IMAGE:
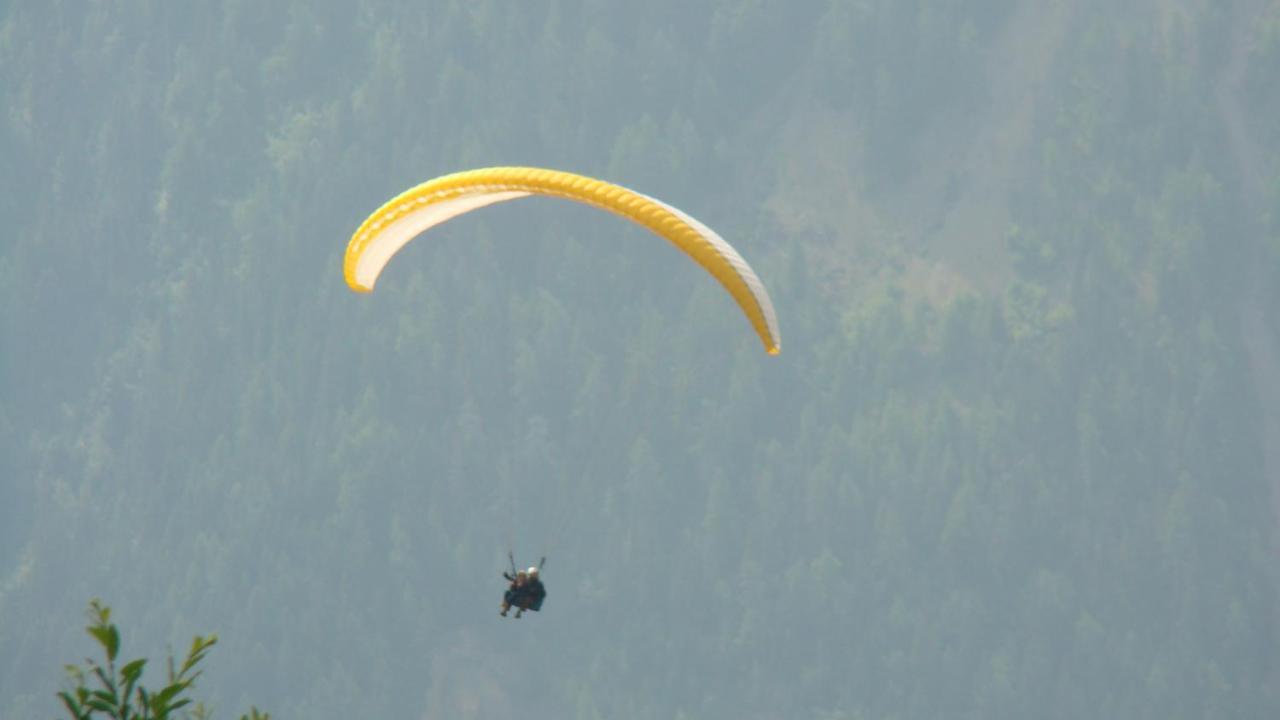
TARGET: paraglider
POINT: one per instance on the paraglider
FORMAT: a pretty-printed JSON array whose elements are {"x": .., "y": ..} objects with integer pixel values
[
  {"x": 526, "y": 591},
  {"x": 418, "y": 209}
]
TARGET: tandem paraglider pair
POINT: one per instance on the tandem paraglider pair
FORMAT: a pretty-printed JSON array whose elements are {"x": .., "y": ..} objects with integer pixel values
[
  {"x": 400, "y": 220},
  {"x": 526, "y": 591}
]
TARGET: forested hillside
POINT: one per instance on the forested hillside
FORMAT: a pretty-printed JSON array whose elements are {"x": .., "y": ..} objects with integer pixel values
[{"x": 1019, "y": 456}]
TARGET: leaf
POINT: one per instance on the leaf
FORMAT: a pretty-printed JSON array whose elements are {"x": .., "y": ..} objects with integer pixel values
[
  {"x": 130, "y": 673},
  {"x": 72, "y": 706},
  {"x": 101, "y": 614},
  {"x": 107, "y": 637},
  {"x": 200, "y": 647},
  {"x": 106, "y": 681},
  {"x": 113, "y": 636},
  {"x": 75, "y": 672},
  {"x": 160, "y": 702},
  {"x": 133, "y": 670},
  {"x": 106, "y": 697},
  {"x": 100, "y": 706}
]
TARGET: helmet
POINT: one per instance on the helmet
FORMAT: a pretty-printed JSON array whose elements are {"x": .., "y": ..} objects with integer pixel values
[{"x": 533, "y": 571}]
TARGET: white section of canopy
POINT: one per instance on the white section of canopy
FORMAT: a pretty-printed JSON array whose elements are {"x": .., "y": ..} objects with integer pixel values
[{"x": 387, "y": 240}]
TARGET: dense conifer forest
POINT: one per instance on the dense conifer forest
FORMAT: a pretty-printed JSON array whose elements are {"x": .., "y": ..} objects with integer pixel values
[{"x": 1019, "y": 456}]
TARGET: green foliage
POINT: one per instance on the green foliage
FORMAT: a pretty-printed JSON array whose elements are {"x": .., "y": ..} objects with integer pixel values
[{"x": 119, "y": 694}]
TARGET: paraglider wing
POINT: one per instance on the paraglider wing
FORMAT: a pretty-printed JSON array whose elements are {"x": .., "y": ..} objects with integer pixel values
[{"x": 414, "y": 211}]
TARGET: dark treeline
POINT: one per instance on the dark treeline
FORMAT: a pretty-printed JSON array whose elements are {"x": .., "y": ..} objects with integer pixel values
[{"x": 1016, "y": 459}]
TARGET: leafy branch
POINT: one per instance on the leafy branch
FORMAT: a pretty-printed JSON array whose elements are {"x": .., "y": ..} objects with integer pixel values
[{"x": 120, "y": 694}]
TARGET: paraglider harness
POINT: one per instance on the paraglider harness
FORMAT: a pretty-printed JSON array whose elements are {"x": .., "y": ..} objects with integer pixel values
[{"x": 527, "y": 595}]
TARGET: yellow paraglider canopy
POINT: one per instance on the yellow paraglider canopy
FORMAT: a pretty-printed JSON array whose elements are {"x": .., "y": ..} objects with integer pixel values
[{"x": 412, "y": 212}]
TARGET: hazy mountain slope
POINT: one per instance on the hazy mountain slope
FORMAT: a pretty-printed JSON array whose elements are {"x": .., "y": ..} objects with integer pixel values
[{"x": 1012, "y": 462}]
